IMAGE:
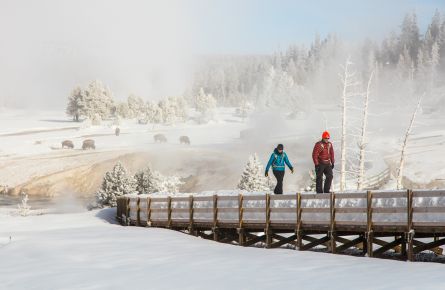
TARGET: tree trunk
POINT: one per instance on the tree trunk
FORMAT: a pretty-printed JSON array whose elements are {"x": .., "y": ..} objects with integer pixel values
[
  {"x": 343, "y": 123},
  {"x": 362, "y": 145},
  {"x": 405, "y": 143}
]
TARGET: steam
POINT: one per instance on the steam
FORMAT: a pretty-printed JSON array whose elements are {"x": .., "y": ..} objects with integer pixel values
[{"x": 51, "y": 46}]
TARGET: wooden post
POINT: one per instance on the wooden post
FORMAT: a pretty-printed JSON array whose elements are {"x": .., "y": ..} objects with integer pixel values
[
  {"x": 369, "y": 231},
  {"x": 215, "y": 217},
  {"x": 409, "y": 236},
  {"x": 241, "y": 233},
  {"x": 268, "y": 231},
  {"x": 169, "y": 211},
  {"x": 148, "y": 211},
  {"x": 240, "y": 210},
  {"x": 138, "y": 216},
  {"x": 333, "y": 244},
  {"x": 299, "y": 231},
  {"x": 127, "y": 210},
  {"x": 191, "y": 227}
]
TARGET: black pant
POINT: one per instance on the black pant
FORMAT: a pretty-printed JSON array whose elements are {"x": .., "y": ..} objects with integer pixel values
[
  {"x": 325, "y": 169},
  {"x": 279, "y": 175}
]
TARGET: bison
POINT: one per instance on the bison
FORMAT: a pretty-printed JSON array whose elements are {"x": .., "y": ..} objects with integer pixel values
[
  {"x": 88, "y": 144},
  {"x": 67, "y": 144},
  {"x": 160, "y": 138},
  {"x": 184, "y": 140}
]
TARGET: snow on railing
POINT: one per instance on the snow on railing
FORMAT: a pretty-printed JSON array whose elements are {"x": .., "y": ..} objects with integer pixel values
[{"x": 377, "y": 208}]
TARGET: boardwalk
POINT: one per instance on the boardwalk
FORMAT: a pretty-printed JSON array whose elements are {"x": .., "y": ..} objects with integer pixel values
[{"x": 373, "y": 222}]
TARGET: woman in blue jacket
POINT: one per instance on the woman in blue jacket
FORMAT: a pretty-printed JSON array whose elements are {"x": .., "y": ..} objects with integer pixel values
[{"x": 277, "y": 160}]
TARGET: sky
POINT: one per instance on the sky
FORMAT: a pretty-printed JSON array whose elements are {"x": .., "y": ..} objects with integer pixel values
[{"x": 148, "y": 47}]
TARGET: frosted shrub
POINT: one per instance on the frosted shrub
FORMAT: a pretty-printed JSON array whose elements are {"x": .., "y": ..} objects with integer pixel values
[
  {"x": 252, "y": 178},
  {"x": 151, "y": 181},
  {"x": 116, "y": 182},
  {"x": 23, "y": 208}
]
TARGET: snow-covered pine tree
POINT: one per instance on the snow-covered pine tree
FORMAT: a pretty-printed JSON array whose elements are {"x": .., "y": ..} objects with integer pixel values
[
  {"x": 146, "y": 181},
  {"x": 252, "y": 178},
  {"x": 76, "y": 104},
  {"x": 123, "y": 111},
  {"x": 205, "y": 104},
  {"x": 115, "y": 183},
  {"x": 179, "y": 105},
  {"x": 168, "y": 111},
  {"x": 150, "y": 181},
  {"x": 136, "y": 106},
  {"x": 99, "y": 100}
]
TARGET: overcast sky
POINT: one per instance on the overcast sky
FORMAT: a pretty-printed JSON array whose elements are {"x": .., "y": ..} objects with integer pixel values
[{"x": 147, "y": 47}]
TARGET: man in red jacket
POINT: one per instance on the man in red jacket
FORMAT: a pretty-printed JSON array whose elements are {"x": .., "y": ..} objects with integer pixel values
[{"x": 323, "y": 157}]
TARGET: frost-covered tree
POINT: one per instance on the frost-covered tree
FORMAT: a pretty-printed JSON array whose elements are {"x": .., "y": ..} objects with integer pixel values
[
  {"x": 76, "y": 104},
  {"x": 116, "y": 182},
  {"x": 252, "y": 178},
  {"x": 206, "y": 105},
  {"x": 404, "y": 145},
  {"x": 95, "y": 99},
  {"x": 349, "y": 84},
  {"x": 136, "y": 106},
  {"x": 99, "y": 100},
  {"x": 24, "y": 208},
  {"x": 363, "y": 135},
  {"x": 179, "y": 105},
  {"x": 168, "y": 111},
  {"x": 435, "y": 60},
  {"x": 153, "y": 113},
  {"x": 151, "y": 181},
  {"x": 123, "y": 111}
]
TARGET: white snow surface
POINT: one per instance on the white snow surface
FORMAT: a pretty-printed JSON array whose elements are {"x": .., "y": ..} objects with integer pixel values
[{"x": 86, "y": 251}]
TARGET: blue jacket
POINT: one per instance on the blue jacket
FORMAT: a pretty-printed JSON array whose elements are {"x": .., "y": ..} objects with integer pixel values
[{"x": 277, "y": 161}]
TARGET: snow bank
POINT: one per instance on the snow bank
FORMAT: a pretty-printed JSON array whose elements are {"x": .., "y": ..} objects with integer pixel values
[{"x": 85, "y": 251}]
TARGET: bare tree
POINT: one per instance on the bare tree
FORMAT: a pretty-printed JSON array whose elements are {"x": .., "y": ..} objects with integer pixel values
[
  {"x": 362, "y": 144},
  {"x": 348, "y": 79},
  {"x": 405, "y": 143}
]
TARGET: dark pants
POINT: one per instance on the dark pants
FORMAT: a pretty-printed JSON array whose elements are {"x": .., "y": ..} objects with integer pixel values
[
  {"x": 279, "y": 175},
  {"x": 325, "y": 169}
]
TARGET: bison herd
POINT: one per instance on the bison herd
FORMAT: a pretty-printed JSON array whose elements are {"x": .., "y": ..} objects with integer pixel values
[
  {"x": 90, "y": 144},
  {"x": 160, "y": 138},
  {"x": 86, "y": 144}
]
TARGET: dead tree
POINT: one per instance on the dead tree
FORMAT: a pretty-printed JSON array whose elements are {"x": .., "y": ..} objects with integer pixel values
[
  {"x": 348, "y": 79},
  {"x": 362, "y": 144},
  {"x": 405, "y": 143}
]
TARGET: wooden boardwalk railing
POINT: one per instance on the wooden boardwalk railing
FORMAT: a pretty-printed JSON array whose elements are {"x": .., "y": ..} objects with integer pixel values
[{"x": 372, "y": 222}]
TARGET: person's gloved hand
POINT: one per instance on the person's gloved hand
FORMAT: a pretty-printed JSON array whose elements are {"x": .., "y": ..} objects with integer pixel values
[
  {"x": 266, "y": 174},
  {"x": 317, "y": 167},
  {"x": 332, "y": 166},
  {"x": 292, "y": 170}
]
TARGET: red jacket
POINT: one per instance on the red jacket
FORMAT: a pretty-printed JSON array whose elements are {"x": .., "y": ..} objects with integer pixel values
[{"x": 323, "y": 153}]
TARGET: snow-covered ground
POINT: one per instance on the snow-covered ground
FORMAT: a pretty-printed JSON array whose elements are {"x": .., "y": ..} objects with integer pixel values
[{"x": 86, "y": 251}]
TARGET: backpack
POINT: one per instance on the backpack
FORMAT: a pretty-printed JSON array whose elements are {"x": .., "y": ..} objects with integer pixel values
[
  {"x": 276, "y": 158},
  {"x": 322, "y": 146}
]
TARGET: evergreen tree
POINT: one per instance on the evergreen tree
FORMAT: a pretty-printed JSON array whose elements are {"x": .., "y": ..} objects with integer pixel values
[
  {"x": 136, "y": 106},
  {"x": 205, "y": 104},
  {"x": 76, "y": 104},
  {"x": 253, "y": 178},
  {"x": 116, "y": 182},
  {"x": 99, "y": 100},
  {"x": 150, "y": 181}
]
